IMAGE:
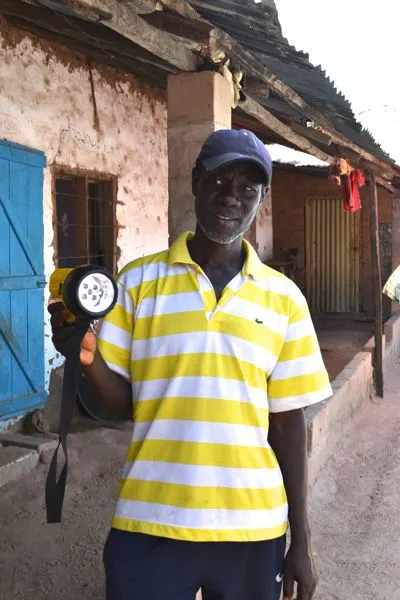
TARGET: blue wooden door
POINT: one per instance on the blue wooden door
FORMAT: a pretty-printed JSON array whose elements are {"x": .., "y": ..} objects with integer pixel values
[{"x": 21, "y": 280}]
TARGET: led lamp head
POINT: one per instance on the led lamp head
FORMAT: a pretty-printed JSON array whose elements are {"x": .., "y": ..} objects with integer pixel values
[{"x": 87, "y": 291}]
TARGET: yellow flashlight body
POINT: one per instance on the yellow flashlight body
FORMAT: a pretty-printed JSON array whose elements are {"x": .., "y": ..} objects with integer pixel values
[
  {"x": 56, "y": 283},
  {"x": 86, "y": 291}
]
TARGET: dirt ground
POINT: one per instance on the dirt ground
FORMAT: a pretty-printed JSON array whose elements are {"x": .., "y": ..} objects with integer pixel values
[
  {"x": 64, "y": 561},
  {"x": 355, "y": 515},
  {"x": 355, "y": 507}
]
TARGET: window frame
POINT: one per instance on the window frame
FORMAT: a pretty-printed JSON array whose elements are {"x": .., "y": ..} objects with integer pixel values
[{"x": 82, "y": 179}]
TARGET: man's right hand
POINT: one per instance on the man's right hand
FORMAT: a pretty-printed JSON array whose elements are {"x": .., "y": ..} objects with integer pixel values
[
  {"x": 62, "y": 333},
  {"x": 113, "y": 391}
]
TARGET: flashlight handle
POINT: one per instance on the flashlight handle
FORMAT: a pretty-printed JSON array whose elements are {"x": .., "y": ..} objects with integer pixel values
[{"x": 55, "y": 489}]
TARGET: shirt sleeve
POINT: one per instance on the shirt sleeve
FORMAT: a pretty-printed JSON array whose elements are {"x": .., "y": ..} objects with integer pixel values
[
  {"x": 299, "y": 378},
  {"x": 115, "y": 335}
]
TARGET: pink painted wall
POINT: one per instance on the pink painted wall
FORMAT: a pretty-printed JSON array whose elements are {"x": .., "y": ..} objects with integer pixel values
[{"x": 46, "y": 103}]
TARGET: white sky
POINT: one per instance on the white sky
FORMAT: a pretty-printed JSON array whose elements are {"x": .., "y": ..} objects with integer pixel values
[{"x": 357, "y": 43}]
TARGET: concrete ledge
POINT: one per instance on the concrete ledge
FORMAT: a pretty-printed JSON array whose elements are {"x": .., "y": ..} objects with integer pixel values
[
  {"x": 16, "y": 462},
  {"x": 30, "y": 442},
  {"x": 330, "y": 420},
  {"x": 370, "y": 346},
  {"x": 391, "y": 342},
  {"x": 392, "y": 335}
]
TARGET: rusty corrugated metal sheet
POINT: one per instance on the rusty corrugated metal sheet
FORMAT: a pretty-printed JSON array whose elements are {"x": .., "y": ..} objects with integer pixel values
[{"x": 332, "y": 248}]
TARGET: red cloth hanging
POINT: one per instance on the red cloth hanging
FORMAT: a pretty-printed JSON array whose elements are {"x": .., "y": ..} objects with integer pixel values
[{"x": 351, "y": 195}]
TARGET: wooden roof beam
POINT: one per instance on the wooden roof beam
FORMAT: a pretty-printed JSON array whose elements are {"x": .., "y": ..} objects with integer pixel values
[
  {"x": 257, "y": 111},
  {"x": 184, "y": 9},
  {"x": 263, "y": 116},
  {"x": 106, "y": 7},
  {"x": 221, "y": 40},
  {"x": 123, "y": 19}
]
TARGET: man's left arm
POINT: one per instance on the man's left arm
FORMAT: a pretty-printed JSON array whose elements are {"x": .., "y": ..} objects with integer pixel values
[
  {"x": 299, "y": 379},
  {"x": 288, "y": 439}
]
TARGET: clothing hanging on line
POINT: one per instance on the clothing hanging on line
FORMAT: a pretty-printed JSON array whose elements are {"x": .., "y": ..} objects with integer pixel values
[{"x": 350, "y": 180}]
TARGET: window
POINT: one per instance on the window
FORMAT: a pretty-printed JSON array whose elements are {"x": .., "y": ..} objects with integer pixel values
[{"x": 86, "y": 225}]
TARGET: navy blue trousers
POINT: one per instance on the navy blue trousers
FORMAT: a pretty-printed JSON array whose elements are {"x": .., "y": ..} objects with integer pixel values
[{"x": 143, "y": 567}]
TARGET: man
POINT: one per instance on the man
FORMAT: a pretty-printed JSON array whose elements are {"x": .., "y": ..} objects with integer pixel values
[{"x": 215, "y": 356}]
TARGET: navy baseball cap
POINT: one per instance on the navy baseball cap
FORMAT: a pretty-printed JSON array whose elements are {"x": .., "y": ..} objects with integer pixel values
[{"x": 228, "y": 146}]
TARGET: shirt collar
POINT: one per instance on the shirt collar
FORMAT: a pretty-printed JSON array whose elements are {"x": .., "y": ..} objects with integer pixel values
[
  {"x": 179, "y": 253},
  {"x": 253, "y": 266}
]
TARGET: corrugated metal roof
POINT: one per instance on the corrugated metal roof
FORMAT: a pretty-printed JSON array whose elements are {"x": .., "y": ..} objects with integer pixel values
[
  {"x": 259, "y": 31},
  {"x": 255, "y": 25}
]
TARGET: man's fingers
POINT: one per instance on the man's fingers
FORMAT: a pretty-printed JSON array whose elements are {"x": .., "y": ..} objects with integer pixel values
[
  {"x": 288, "y": 587},
  {"x": 55, "y": 306},
  {"x": 305, "y": 592},
  {"x": 302, "y": 593},
  {"x": 58, "y": 317}
]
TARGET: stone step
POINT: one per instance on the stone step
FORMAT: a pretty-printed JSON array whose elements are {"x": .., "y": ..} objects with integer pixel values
[
  {"x": 16, "y": 462},
  {"x": 30, "y": 442}
]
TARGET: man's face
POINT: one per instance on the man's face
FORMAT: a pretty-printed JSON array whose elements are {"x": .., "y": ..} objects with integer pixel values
[{"x": 228, "y": 200}]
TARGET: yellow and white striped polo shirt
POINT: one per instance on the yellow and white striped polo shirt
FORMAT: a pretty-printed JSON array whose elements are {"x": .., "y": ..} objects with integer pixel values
[{"x": 204, "y": 377}]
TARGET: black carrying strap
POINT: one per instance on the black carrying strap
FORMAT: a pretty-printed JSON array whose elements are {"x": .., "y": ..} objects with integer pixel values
[{"x": 72, "y": 372}]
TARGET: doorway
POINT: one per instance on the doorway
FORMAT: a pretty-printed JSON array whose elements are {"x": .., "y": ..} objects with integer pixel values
[{"x": 332, "y": 256}]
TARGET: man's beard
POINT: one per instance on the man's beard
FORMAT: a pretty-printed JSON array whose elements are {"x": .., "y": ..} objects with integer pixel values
[{"x": 221, "y": 237}]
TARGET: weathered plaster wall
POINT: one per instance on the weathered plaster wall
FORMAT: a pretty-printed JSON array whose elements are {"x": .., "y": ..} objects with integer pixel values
[{"x": 46, "y": 103}]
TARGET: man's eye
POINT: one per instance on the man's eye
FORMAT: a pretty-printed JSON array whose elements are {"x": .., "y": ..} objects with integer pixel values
[
  {"x": 248, "y": 188},
  {"x": 218, "y": 181}
]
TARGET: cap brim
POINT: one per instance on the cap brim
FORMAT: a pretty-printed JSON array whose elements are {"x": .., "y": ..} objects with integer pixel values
[{"x": 223, "y": 160}]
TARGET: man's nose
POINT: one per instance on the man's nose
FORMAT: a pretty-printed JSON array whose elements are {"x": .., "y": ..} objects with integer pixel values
[{"x": 229, "y": 195}]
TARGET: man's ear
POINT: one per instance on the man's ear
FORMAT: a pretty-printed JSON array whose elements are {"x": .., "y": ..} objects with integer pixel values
[{"x": 264, "y": 193}]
